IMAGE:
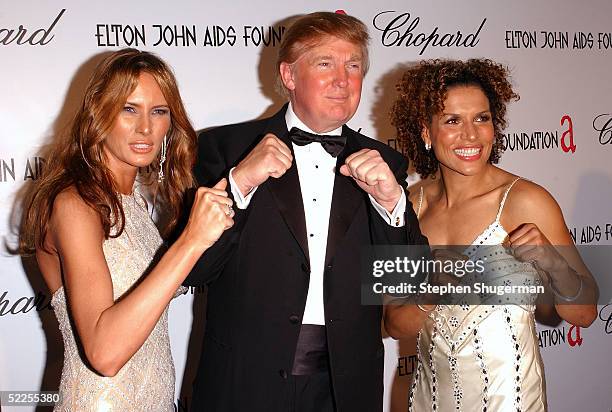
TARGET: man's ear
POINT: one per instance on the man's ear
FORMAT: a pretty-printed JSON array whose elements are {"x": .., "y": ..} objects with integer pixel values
[{"x": 287, "y": 73}]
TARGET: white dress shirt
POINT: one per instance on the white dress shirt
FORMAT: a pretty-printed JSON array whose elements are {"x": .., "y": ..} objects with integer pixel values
[{"x": 316, "y": 171}]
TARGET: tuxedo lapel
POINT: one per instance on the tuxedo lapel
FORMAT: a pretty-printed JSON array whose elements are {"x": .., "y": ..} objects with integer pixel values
[
  {"x": 286, "y": 190},
  {"x": 346, "y": 199}
]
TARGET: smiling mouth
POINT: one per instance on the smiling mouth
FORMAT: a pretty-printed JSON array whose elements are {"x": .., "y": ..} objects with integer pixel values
[{"x": 468, "y": 152}]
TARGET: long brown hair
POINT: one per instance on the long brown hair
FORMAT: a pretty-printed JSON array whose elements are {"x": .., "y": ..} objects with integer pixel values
[{"x": 77, "y": 159}]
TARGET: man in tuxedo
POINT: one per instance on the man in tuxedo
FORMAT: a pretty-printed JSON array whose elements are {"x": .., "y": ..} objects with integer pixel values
[{"x": 285, "y": 327}]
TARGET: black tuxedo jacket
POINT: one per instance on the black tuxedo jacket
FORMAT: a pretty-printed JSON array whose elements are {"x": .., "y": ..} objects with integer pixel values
[{"x": 258, "y": 276}]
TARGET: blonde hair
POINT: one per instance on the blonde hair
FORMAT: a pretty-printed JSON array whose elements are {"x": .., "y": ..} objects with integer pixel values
[{"x": 310, "y": 30}]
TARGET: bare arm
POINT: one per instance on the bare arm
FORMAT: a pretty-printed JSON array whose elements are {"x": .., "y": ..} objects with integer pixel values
[
  {"x": 541, "y": 236},
  {"x": 404, "y": 320},
  {"x": 111, "y": 332},
  {"x": 403, "y": 317}
]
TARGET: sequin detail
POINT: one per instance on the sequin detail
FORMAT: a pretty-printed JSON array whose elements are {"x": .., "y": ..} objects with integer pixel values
[
  {"x": 146, "y": 382},
  {"x": 484, "y": 374},
  {"x": 477, "y": 355},
  {"x": 417, "y": 374}
]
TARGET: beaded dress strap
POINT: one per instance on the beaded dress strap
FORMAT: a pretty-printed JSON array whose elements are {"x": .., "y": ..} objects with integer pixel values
[
  {"x": 503, "y": 202},
  {"x": 420, "y": 203}
]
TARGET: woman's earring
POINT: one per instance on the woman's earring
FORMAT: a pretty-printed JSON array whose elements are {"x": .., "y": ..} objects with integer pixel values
[
  {"x": 162, "y": 159},
  {"x": 428, "y": 146}
]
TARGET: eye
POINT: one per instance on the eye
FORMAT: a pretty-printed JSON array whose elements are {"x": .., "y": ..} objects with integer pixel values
[
  {"x": 161, "y": 111},
  {"x": 324, "y": 64},
  {"x": 483, "y": 118},
  {"x": 129, "y": 109},
  {"x": 452, "y": 120},
  {"x": 354, "y": 67}
]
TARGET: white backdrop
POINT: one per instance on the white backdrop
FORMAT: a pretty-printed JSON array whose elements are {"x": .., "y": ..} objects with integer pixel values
[{"x": 559, "y": 135}]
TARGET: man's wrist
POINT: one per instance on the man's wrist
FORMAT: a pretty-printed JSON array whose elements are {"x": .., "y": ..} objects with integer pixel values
[
  {"x": 390, "y": 205},
  {"x": 244, "y": 188}
]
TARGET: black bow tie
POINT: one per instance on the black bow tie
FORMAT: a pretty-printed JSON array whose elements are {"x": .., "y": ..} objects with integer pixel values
[{"x": 332, "y": 144}]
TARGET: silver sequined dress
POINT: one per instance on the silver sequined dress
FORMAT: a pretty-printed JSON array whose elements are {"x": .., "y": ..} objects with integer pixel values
[
  {"x": 146, "y": 382},
  {"x": 483, "y": 357}
]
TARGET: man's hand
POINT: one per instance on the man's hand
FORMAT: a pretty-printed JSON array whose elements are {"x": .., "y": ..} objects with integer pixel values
[
  {"x": 270, "y": 158},
  {"x": 373, "y": 175}
]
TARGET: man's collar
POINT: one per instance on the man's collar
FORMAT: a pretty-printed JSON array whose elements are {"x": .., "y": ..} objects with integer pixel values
[{"x": 293, "y": 121}]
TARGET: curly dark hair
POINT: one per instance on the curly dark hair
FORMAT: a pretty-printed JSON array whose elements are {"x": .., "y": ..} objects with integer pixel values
[{"x": 422, "y": 92}]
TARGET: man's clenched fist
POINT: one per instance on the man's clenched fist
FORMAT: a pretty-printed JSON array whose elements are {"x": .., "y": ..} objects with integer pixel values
[
  {"x": 373, "y": 175},
  {"x": 270, "y": 158}
]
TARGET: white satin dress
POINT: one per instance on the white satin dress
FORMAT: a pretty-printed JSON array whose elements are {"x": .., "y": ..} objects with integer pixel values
[{"x": 482, "y": 357}]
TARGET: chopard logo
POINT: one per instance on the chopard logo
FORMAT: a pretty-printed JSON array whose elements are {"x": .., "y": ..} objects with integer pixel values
[
  {"x": 24, "y": 304},
  {"x": 22, "y": 35},
  {"x": 603, "y": 125},
  {"x": 605, "y": 315},
  {"x": 402, "y": 29}
]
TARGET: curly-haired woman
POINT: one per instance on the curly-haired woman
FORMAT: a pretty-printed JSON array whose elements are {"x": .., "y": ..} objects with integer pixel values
[{"x": 449, "y": 115}]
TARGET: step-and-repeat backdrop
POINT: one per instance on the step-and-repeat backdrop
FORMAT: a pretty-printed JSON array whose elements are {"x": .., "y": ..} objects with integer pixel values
[{"x": 223, "y": 53}]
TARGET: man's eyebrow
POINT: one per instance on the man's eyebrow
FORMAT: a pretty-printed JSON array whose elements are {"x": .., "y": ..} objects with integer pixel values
[{"x": 354, "y": 57}]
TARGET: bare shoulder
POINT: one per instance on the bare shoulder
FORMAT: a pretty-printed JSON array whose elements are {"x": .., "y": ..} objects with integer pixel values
[
  {"x": 69, "y": 202},
  {"x": 530, "y": 197},
  {"x": 71, "y": 212},
  {"x": 529, "y": 202}
]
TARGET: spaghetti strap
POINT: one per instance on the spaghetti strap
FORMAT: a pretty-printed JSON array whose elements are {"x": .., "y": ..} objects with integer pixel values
[
  {"x": 503, "y": 201},
  {"x": 420, "y": 203}
]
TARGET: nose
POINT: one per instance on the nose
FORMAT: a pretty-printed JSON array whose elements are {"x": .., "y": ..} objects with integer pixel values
[
  {"x": 144, "y": 124},
  {"x": 341, "y": 77},
  {"x": 469, "y": 131}
]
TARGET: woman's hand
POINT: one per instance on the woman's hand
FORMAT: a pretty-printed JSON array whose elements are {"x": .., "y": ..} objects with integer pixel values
[
  {"x": 529, "y": 244},
  {"x": 211, "y": 214}
]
